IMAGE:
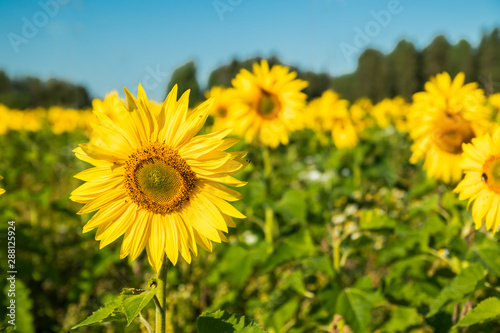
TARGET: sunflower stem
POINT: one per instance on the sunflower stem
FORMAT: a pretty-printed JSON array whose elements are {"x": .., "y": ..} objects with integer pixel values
[
  {"x": 161, "y": 306},
  {"x": 268, "y": 228},
  {"x": 269, "y": 214},
  {"x": 145, "y": 323},
  {"x": 268, "y": 168}
]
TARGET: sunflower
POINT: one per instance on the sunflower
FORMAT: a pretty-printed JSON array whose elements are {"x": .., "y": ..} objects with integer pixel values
[
  {"x": 330, "y": 113},
  {"x": 224, "y": 101},
  {"x": 494, "y": 100},
  {"x": 360, "y": 112},
  {"x": 270, "y": 104},
  {"x": 2, "y": 191},
  {"x": 481, "y": 184},
  {"x": 155, "y": 182},
  {"x": 391, "y": 112},
  {"x": 442, "y": 118}
]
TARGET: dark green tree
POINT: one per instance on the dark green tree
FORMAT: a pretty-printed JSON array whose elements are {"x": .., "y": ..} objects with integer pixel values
[
  {"x": 461, "y": 59},
  {"x": 403, "y": 70},
  {"x": 488, "y": 62},
  {"x": 185, "y": 78},
  {"x": 372, "y": 76},
  {"x": 435, "y": 57}
]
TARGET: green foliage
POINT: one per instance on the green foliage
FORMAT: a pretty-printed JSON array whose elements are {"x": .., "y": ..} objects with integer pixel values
[
  {"x": 29, "y": 92},
  {"x": 355, "y": 307},
  {"x": 185, "y": 78},
  {"x": 487, "y": 310},
  {"x": 465, "y": 283},
  {"x": 126, "y": 306},
  {"x": 223, "y": 322}
]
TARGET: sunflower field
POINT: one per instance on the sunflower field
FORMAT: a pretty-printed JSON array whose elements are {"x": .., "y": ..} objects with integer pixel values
[{"x": 343, "y": 216}]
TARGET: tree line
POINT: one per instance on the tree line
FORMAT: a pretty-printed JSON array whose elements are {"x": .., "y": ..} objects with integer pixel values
[{"x": 402, "y": 72}]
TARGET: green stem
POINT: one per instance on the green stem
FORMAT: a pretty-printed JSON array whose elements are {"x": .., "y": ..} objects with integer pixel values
[
  {"x": 269, "y": 214},
  {"x": 268, "y": 168},
  {"x": 268, "y": 228},
  {"x": 161, "y": 294},
  {"x": 145, "y": 323}
]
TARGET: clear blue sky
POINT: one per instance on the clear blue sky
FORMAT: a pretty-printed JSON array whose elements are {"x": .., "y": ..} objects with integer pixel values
[{"x": 110, "y": 44}]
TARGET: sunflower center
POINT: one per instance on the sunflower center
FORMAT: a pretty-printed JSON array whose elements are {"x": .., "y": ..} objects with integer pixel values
[
  {"x": 452, "y": 130},
  {"x": 491, "y": 173},
  {"x": 268, "y": 105},
  {"x": 222, "y": 112},
  {"x": 158, "y": 179}
]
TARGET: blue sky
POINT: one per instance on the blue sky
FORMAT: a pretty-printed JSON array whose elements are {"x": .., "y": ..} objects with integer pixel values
[{"x": 110, "y": 44}]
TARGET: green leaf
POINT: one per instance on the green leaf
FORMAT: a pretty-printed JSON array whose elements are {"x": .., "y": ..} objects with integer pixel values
[
  {"x": 297, "y": 246},
  {"x": 278, "y": 318},
  {"x": 487, "y": 310},
  {"x": 402, "y": 318},
  {"x": 488, "y": 254},
  {"x": 462, "y": 285},
  {"x": 355, "y": 308},
  {"x": 293, "y": 205},
  {"x": 104, "y": 314},
  {"x": 133, "y": 304},
  {"x": 224, "y": 322},
  {"x": 372, "y": 220}
]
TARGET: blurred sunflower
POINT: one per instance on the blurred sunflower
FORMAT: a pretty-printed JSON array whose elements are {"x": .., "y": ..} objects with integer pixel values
[
  {"x": 442, "y": 118},
  {"x": 494, "y": 100},
  {"x": 360, "y": 112},
  {"x": 224, "y": 100},
  {"x": 391, "y": 112},
  {"x": 270, "y": 104},
  {"x": 2, "y": 191},
  {"x": 64, "y": 120},
  {"x": 157, "y": 183},
  {"x": 330, "y": 113},
  {"x": 481, "y": 184}
]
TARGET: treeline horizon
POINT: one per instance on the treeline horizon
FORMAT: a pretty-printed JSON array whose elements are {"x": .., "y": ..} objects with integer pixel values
[{"x": 402, "y": 72}]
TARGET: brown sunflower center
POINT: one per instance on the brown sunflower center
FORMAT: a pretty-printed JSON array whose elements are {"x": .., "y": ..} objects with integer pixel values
[
  {"x": 158, "y": 179},
  {"x": 268, "y": 106},
  {"x": 222, "y": 112},
  {"x": 452, "y": 130},
  {"x": 491, "y": 173}
]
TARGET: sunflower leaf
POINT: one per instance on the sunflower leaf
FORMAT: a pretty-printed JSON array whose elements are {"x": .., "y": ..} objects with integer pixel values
[
  {"x": 133, "y": 303},
  {"x": 463, "y": 284},
  {"x": 105, "y": 314},
  {"x": 355, "y": 307},
  {"x": 487, "y": 310},
  {"x": 224, "y": 322}
]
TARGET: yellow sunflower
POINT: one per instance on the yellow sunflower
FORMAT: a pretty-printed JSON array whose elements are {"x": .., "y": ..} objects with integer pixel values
[
  {"x": 270, "y": 104},
  {"x": 155, "y": 182},
  {"x": 330, "y": 113},
  {"x": 481, "y": 184},
  {"x": 2, "y": 191},
  {"x": 443, "y": 117},
  {"x": 391, "y": 112},
  {"x": 224, "y": 101},
  {"x": 360, "y": 112},
  {"x": 494, "y": 100}
]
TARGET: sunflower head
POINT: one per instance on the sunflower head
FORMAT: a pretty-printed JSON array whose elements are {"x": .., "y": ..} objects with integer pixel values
[
  {"x": 221, "y": 109},
  {"x": 444, "y": 117},
  {"x": 330, "y": 113},
  {"x": 481, "y": 184},
  {"x": 155, "y": 182},
  {"x": 269, "y": 104}
]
